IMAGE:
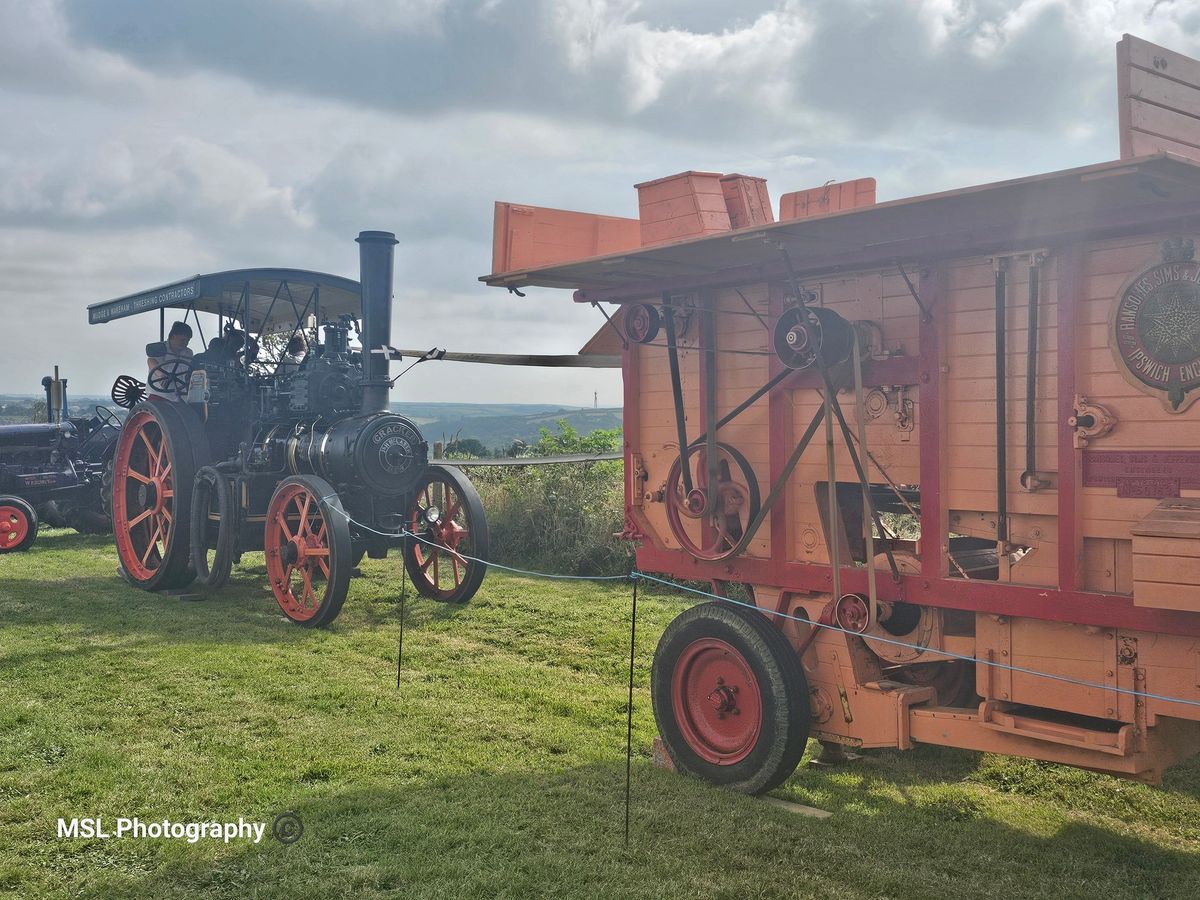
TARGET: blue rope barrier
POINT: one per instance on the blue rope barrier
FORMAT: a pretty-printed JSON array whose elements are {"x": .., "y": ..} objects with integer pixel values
[{"x": 635, "y": 574}]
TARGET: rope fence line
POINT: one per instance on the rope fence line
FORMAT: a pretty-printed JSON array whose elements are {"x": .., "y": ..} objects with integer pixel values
[{"x": 634, "y": 575}]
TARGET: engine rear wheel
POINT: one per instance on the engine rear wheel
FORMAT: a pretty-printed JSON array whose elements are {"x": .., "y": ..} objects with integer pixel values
[
  {"x": 730, "y": 698},
  {"x": 212, "y": 526},
  {"x": 153, "y": 468},
  {"x": 308, "y": 549},
  {"x": 444, "y": 559},
  {"x": 18, "y": 525}
]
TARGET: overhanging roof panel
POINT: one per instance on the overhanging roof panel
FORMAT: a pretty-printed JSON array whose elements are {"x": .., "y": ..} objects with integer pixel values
[{"x": 1022, "y": 213}]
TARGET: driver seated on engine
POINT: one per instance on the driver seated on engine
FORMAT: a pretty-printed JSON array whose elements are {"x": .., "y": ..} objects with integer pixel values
[{"x": 173, "y": 361}]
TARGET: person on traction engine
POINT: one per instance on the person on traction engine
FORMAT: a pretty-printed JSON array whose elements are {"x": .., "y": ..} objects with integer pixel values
[{"x": 173, "y": 356}]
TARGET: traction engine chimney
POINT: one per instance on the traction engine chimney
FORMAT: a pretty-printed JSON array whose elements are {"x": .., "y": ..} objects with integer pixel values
[{"x": 375, "y": 253}]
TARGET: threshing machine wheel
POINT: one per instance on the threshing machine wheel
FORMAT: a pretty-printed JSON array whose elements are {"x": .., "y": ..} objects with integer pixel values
[
  {"x": 212, "y": 526},
  {"x": 160, "y": 446},
  {"x": 307, "y": 543},
  {"x": 709, "y": 521},
  {"x": 730, "y": 698},
  {"x": 444, "y": 559},
  {"x": 18, "y": 525}
]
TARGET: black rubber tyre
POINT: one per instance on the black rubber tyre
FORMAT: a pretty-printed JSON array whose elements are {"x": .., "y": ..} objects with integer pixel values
[
  {"x": 18, "y": 525},
  {"x": 212, "y": 498},
  {"x": 716, "y": 657},
  {"x": 436, "y": 559},
  {"x": 176, "y": 427}
]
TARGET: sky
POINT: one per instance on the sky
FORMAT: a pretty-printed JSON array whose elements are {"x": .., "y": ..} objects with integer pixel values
[{"x": 148, "y": 140}]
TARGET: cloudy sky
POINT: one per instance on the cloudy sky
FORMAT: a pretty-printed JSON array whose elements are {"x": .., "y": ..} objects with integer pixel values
[{"x": 147, "y": 140}]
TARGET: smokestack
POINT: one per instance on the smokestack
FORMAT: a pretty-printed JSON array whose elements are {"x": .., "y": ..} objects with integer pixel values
[{"x": 375, "y": 255}]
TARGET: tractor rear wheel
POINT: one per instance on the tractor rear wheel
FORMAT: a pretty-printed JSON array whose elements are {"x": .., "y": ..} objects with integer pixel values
[
  {"x": 18, "y": 525},
  {"x": 309, "y": 554},
  {"x": 730, "y": 698},
  {"x": 155, "y": 462},
  {"x": 445, "y": 558}
]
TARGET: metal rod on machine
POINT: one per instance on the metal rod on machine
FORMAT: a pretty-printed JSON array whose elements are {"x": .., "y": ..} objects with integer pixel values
[
  {"x": 708, "y": 336},
  {"x": 1029, "y": 478},
  {"x": 1001, "y": 409},
  {"x": 865, "y": 480},
  {"x": 677, "y": 393},
  {"x": 831, "y": 475}
]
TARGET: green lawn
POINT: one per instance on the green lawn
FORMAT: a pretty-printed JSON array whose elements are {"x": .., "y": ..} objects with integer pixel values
[{"x": 495, "y": 769}]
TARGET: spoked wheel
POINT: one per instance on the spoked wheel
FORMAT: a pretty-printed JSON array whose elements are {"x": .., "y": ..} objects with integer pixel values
[
  {"x": 212, "y": 526},
  {"x": 709, "y": 521},
  {"x": 448, "y": 521},
  {"x": 153, "y": 467},
  {"x": 730, "y": 698},
  {"x": 307, "y": 544},
  {"x": 18, "y": 525}
]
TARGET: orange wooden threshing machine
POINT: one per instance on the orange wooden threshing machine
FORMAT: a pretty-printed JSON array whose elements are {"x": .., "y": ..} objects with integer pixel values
[{"x": 959, "y": 430}]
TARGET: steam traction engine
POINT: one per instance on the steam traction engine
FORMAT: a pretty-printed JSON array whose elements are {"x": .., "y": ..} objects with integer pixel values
[
  {"x": 247, "y": 448},
  {"x": 947, "y": 448}
]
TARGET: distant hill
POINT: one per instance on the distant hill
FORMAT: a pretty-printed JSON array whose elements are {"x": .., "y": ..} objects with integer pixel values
[{"x": 498, "y": 425}]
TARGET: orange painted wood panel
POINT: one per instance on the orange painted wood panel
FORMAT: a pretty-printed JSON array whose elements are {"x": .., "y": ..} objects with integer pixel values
[
  {"x": 827, "y": 199},
  {"x": 525, "y": 237}
]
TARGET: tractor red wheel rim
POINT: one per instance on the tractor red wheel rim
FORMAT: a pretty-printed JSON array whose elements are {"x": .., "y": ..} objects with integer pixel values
[
  {"x": 717, "y": 702},
  {"x": 298, "y": 551},
  {"x": 14, "y": 527},
  {"x": 441, "y": 543},
  {"x": 143, "y": 496}
]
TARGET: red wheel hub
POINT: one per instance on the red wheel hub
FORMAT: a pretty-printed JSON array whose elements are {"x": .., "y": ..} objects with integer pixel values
[
  {"x": 297, "y": 549},
  {"x": 717, "y": 701},
  {"x": 434, "y": 519},
  {"x": 143, "y": 499},
  {"x": 14, "y": 527},
  {"x": 852, "y": 613}
]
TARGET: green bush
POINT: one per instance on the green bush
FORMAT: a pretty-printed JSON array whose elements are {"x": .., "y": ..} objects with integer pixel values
[{"x": 559, "y": 518}]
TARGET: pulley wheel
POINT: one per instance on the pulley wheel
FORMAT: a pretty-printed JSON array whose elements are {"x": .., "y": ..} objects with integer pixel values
[
  {"x": 709, "y": 520},
  {"x": 642, "y": 322},
  {"x": 18, "y": 525},
  {"x": 445, "y": 556},
  {"x": 154, "y": 464},
  {"x": 213, "y": 526},
  {"x": 308, "y": 550},
  {"x": 804, "y": 333},
  {"x": 730, "y": 698}
]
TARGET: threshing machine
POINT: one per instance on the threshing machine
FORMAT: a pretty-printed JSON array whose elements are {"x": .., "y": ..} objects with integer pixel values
[{"x": 947, "y": 446}]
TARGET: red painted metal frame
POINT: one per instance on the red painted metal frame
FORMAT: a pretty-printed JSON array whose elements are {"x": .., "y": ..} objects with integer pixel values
[{"x": 1071, "y": 284}]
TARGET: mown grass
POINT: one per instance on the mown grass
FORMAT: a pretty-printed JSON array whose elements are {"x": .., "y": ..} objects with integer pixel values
[{"x": 495, "y": 769}]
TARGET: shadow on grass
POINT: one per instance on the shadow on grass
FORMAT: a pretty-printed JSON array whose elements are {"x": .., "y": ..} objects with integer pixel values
[{"x": 560, "y": 834}]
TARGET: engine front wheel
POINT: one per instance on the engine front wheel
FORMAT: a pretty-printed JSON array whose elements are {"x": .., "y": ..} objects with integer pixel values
[
  {"x": 18, "y": 525},
  {"x": 308, "y": 549},
  {"x": 730, "y": 698},
  {"x": 445, "y": 557}
]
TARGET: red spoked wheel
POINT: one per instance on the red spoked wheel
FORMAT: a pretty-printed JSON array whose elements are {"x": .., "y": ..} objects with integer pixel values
[
  {"x": 444, "y": 557},
  {"x": 18, "y": 525},
  {"x": 307, "y": 544},
  {"x": 730, "y": 698},
  {"x": 153, "y": 467},
  {"x": 710, "y": 520}
]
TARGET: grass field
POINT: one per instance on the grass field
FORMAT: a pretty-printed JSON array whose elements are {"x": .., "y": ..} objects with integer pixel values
[{"x": 495, "y": 769}]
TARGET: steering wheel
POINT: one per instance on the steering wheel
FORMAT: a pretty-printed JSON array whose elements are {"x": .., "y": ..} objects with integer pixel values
[
  {"x": 171, "y": 377},
  {"x": 107, "y": 416}
]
